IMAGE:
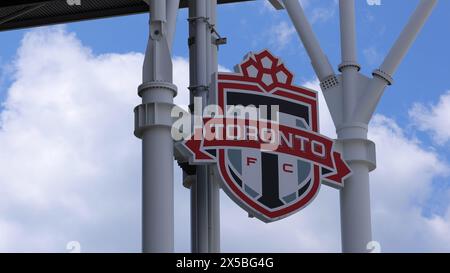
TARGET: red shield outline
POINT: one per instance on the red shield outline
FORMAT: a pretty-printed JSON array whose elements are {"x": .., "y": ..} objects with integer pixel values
[
  {"x": 265, "y": 75},
  {"x": 244, "y": 82}
]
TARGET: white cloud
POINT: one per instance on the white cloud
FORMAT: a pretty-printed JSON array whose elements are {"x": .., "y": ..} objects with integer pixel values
[
  {"x": 323, "y": 14},
  {"x": 69, "y": 163},
  {"x": 71, "y": 166},
  {"x": 374, "y": 2},
  {"x": 315, "y": 229},
  {"x": 434, "y": 118},
  {"x": 372, "y": 55},
  {"x": 181, "y": 80},
  {"x": 401, "y": 187},
  {"x": 281, "y": 34}
]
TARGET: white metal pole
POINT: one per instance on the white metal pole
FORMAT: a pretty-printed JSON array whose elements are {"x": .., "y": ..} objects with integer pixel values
[
  {"x": 153, "y": 125},
  {"x": 172, "y": 11},
  {"x": 200, "y": 195},
  {"x": 214, "y": 189},
  {"x": 319, "y": 60},
  {"x": 383, "y": 76},
  {"x": 192, "y": 83},
  {"x": 355, "y": 197},
  {"x": 348, "y": 31},
  {"x": 199, "y": 189},
  {"x": 349, "y": 66},
  {"x": 356, "y": 228},
  {"x": 352, "y": 103},
  {"x": 407, "y": 37}
]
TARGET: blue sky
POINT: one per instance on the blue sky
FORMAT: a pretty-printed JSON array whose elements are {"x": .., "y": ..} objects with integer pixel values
[
  {"x": 247, "y": 27},
  {"x": 409, "y": 115}
]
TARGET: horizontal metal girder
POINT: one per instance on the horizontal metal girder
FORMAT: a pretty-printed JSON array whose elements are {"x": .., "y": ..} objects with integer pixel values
[{"x": 16, "y": 14}]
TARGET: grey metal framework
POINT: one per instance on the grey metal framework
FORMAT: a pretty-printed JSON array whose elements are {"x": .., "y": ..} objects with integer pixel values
[
  {"x": 15, "y": 14},
  {"x": 352, "y": 98}
]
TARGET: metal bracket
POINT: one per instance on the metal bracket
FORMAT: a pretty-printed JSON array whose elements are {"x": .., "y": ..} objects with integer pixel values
[
  {"x": 358, "y": 150},
  {"x": 157, "y": 30},
  {"x": 218, "y": 41},
  {"x": 194, "y": 19},
  {"x": 151, "y": 114},
  {"x": 198, "y": 88},
  {"x": 221, "y": 41}
]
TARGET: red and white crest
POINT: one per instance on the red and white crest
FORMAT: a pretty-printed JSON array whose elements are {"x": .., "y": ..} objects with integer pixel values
[{"x": 270, "y": 181}]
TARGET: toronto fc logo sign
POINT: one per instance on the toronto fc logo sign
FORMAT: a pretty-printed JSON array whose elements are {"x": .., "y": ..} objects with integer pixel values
[{"x": 263, "y": 136}]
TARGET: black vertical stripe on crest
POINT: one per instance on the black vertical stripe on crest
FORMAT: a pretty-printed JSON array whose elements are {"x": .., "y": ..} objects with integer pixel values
[
  {"x": 270, "y": 181},
  {"x": 287, "y": 107}
]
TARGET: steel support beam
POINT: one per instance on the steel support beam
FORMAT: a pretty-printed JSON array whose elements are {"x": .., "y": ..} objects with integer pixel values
[
  {"x": 349, "y": 66},
  {"x": 199, "y": 89},
  {"x": 21, "y": 12},
  {"x": 361, "y": 96},
  {"x": 213, "y": 186},
  {"x": 352, "y": 99},
  {"x": 384, "y": 75},
  {"x": 205, "y": 203},
  {"x": 356, "y": 227},
  {"x": 319, "y": 60},
  {"x": 153, "y": 125}
]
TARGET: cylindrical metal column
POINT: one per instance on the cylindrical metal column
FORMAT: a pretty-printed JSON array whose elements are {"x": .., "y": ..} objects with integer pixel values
[
  {"x": 192, "y": 83},
  {"x": 356, "y": 105},
  {"x": 214, "y": 215},
  {"x": 407, "y": 37},
  {"x": 157, "y": 180},
  {"x": 213, "y": 186},
  {"x": 153, "y": 123},
  {"x": 199, "y": 195},
  {"x": 356, "y": 228},
  {"x": 348, "y": 30},
  {"x": 172, "y": 11},
  {"x": 349, "y": 66},
  {"x": 199, "y": 88},
  {"x": 319, "y": 61}
]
